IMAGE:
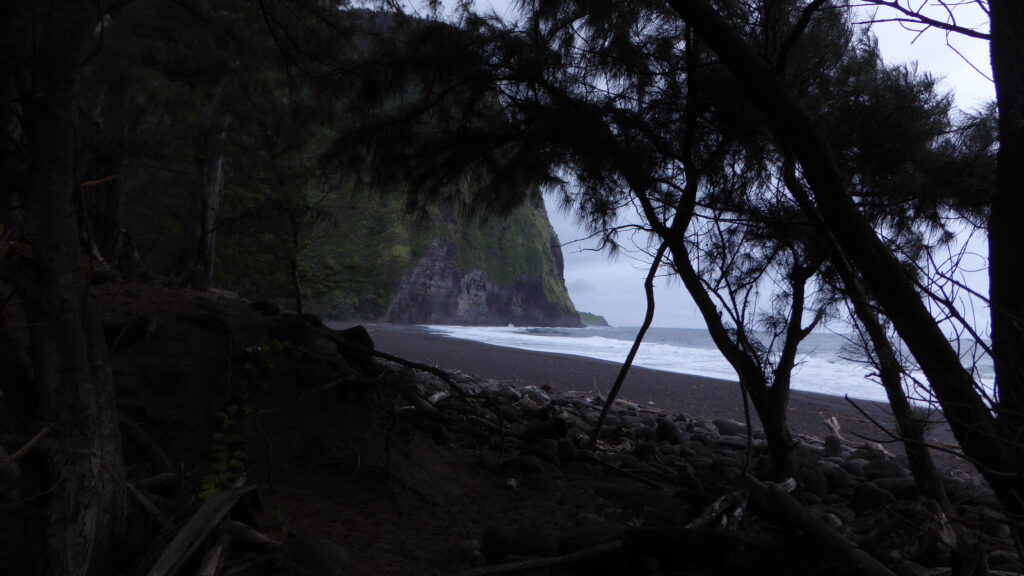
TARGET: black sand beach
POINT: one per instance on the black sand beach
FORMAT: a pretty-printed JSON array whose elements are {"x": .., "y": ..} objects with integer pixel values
[{"x": 706, "y": 398}]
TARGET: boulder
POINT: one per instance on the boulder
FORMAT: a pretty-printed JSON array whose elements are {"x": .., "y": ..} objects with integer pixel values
[
  {"x": 500, "y": 542},
  {"x": 308, "y": 555},
  {"x": 876, "y": 469},
  {"x": 868, "y": 496}
]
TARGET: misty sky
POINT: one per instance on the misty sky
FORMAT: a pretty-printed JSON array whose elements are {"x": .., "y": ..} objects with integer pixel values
[{"x": 614, "y": 288}]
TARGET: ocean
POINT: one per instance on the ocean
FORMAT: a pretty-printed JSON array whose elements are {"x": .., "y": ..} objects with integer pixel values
[{"x": 827, "y": 363}]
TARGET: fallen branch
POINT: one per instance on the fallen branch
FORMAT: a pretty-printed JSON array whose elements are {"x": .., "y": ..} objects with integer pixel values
[
  {"x": 148, "y": 506},
  {"x": 565, "y": 560},
  {"x": 624, "y": 472},
  {"x": 213, "y": 560},
  {"x": 136, "y": 435},
  {"x": 718, "y": 507},
  {"x": 624, "y": 370},
  {"x": 794, "y": 516},
  {"x": 833, "y": 425},
  {"x": 242, "y": 533},
  {"x": 188, "y": 539},
  {"x": 161, "y": 480},
  {"x": 13, "y": 458}
]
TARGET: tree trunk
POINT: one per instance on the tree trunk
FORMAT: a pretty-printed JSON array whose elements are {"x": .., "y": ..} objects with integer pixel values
[
  {"x": 910, "y": 425},
  {"x": 209, "y": 202},
  {"x": 85, "y": 510},
  {"x": 1006, "y": 243},
  {"x": 985, "y": 440},
  {"x": 293, "y": 261}
]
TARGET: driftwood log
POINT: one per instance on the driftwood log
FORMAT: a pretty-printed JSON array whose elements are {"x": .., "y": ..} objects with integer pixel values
[
  {"x": 794, "y": 516},
  {"x": 195, "y": 531}
]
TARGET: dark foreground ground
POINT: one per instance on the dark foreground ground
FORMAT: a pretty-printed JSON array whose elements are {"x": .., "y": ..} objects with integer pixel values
[{"x": 706, "y": 398}]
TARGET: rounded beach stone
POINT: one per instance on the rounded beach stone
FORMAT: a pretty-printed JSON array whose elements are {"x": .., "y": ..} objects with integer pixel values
[
  {"x": 307, "y": 554},
  {"x": 645, "y": 449},
  {"x": 837, "y": 478},
  {"x": 812, "y": 480},
  {"x": 590, "y": 535},
  {"x": 540, "y": 483},
  {"x": 884, "y": 469},
  {"x": 869, "y": 454},
  {"x": 499, "y": 543},
  {"x": 566, "y": 450},
  {"x": 730, "y": 428},
  {"x": 855, "y": 466},
  {"x": 868, "y": 496},
  {"x": 902, "y": 488}
]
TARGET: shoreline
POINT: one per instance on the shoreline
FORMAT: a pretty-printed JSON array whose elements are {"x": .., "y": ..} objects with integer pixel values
[{"x": 699, "y": 396}]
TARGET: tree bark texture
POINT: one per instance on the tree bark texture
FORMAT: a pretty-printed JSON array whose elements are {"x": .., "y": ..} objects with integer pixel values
[
  {"x": 1006, "y": 243},
  {"x": 980, "y": 435},
  {"x": 86, "y": 508},
  {"x": 212, "y": 168}
]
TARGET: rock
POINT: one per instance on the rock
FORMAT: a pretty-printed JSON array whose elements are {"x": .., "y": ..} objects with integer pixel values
[
  {"x": 867, "y": 496},
  {"x": 266, "y": 306},
  {"x": 833, "y": 447},
  {"x": 522, "y": 465},
  {"x": 667, "y": 449},
  {"x": 127, "y": 333},
  {"x": 566, "y": 450},
  {"x": 855, "y": 466},
  {"x": 902, "y": 488},
  {"x": 869, "y": 454},
  {"x": 543, "y": 453},
  {"x": 589, "y": 536},
  {"x": 490, "y": 462},
  {"x": 730, "y": 428},
  {"x": 540, "y": 483},
  {"x": 510, "y": 395},
  {"x": 875, "y": 469},
  {"x": 552, "y": 429},
  {"x": 99, "y": 276},
  {"x": 812, "y": 480},
  {"x": 1003, "y": 560},
  {"x": 836, "y": 477},
  {"x": 645, "y": 449},
  {"x": 309, "y": 555},
  {"x": 359, "y": 344},
  {"x": 588, "y": 518},
  {"x": 498, "y": 543},
  {"x": 733, "y": 442},
  {"x": 290, "y": 329},
  {"x": 908, "y": 568}
]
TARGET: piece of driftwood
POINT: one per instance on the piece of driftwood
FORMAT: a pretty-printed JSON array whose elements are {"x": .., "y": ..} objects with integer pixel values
[
  {"x": 426, "y": 409},
  {"x": 533, "y": 563},
  {"x": 162, "y": 480},
  {"x": 13, "y": 458},
  {"x": 716, "y": 509},
  {"x": 192, "y": 534},
  {"x": 794, "y": 516},
  {"x": 833, "y": 425},
  {"x": 148, "y": 506},
  {"x": 136, "y": 435},
  {"x": 214, "y": 558},
  {"x": 241, "y": 533}
]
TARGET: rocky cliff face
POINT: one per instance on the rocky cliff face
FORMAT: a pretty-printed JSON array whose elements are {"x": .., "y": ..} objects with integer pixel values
[{"x": 437, "y": 291}]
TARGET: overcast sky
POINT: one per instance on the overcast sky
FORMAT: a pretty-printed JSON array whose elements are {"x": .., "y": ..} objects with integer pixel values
[{"x": 614, "y": 288}]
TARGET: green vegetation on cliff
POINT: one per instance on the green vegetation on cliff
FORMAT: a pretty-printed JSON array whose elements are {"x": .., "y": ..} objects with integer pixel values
[
  {"x": 218, "y": 145},
  {"x": 593, "y": 319}
]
